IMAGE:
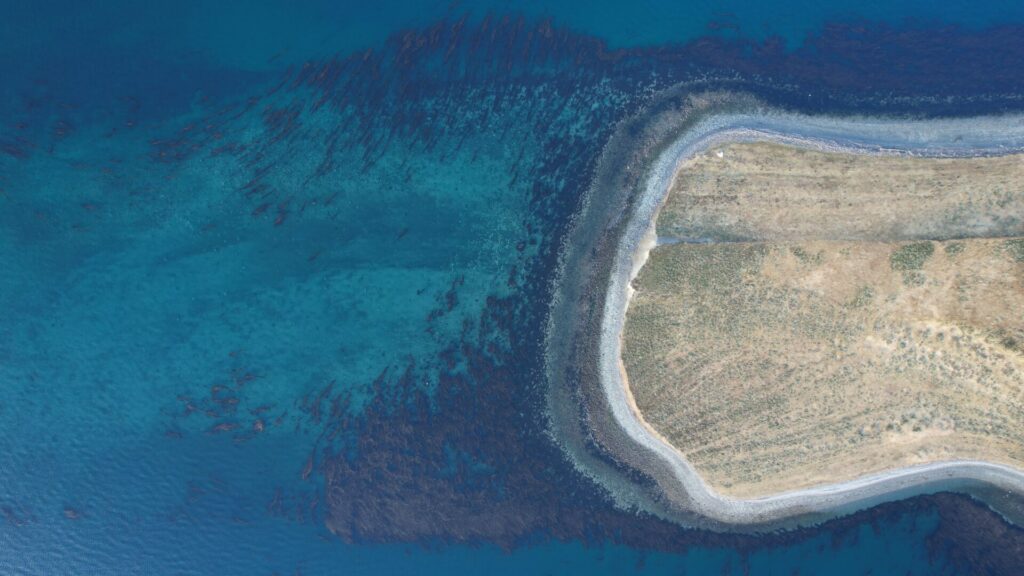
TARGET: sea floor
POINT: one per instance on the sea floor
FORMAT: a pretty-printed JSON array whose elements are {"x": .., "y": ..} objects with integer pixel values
[{"x": 259, "y": 282}]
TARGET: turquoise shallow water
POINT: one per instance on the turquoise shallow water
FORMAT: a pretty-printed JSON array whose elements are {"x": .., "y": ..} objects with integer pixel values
[{"x": 247, "y": 299}]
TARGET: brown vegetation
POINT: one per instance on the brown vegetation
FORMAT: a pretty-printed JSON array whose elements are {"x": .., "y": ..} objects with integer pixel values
[{"x": 807, "y": 357}]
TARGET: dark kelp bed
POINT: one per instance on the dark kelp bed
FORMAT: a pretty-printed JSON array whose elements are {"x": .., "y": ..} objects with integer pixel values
[{"x": 382, "y": 468}]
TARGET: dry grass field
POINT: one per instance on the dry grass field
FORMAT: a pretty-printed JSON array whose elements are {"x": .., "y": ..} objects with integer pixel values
[
  {"x": 825, "y": 344},
  {"x": 765, "y": 191}
]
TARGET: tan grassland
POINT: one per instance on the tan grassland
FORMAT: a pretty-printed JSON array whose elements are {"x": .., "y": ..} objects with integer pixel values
[
  {"x": 767, "y": 191},
  {"x": 834, "y": 329}
]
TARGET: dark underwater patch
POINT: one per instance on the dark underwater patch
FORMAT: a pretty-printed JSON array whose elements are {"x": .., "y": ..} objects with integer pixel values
[
  {"x": 387, "y": 470},
  {"x": 455, "y": 449}
]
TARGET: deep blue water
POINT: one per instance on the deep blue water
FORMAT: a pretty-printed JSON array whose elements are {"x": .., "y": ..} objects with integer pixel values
[{"x": 274, "y": 278}]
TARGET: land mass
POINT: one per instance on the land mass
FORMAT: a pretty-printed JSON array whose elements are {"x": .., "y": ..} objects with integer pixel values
[{"x": 814, "y": 317}]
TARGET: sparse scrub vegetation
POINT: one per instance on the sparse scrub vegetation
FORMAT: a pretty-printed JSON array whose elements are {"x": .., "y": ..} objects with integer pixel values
[
  {"x": 823, "y": 349},
  {"x": 911, "y": 256},
  {"x": 1015, "y": 247},
  {"x": 954, "y": 248}
]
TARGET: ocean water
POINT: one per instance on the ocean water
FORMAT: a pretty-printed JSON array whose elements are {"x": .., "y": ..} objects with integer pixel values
[{"x": 274, "y": 278}]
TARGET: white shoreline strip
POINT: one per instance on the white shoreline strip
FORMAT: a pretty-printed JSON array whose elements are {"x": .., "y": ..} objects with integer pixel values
[{"x": 931, "y": 138}]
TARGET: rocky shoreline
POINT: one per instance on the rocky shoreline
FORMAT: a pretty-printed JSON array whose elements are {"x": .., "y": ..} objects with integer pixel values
[{"x": 607, "y": 439}]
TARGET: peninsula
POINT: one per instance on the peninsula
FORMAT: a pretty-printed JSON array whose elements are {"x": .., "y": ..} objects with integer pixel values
[
  {"x": 779, "y": 318},
  {"x": 810, "y": 317}
]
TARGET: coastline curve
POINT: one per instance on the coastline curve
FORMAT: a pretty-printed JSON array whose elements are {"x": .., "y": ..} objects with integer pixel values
[{"x": 676, "y": 133}]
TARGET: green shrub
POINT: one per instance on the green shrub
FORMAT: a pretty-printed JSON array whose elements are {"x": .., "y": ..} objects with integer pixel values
[
  {"x": 1015, "y": 248},
  {"x": 911, "y": 256}
]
